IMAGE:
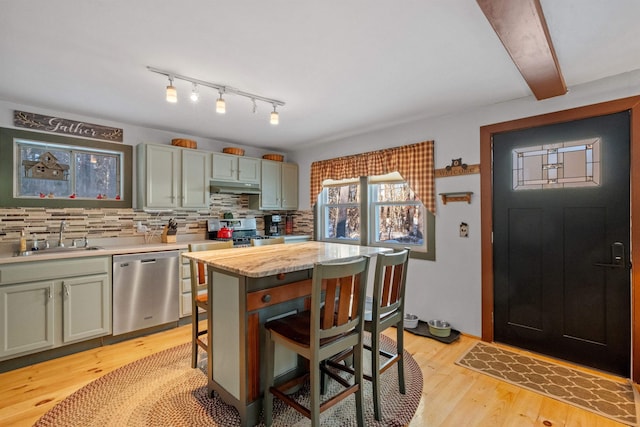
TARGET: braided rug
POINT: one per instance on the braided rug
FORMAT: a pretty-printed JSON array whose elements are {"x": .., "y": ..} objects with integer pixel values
[{"x": 163, "y": 390}]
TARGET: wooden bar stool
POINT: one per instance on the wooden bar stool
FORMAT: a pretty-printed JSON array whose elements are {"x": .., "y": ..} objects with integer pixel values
[
  {"x": 387, "y": 310},
  {"x": 199, "y": 297},
  {"x": 333, "y": 325},
  {"x": 270, "y": 241}
]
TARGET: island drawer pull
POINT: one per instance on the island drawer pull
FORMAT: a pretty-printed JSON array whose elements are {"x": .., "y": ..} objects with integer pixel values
[{"x": 266, "y": 298}]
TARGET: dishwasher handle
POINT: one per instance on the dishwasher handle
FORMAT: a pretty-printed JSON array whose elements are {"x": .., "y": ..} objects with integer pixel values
[{"x": 148, "y": 261}]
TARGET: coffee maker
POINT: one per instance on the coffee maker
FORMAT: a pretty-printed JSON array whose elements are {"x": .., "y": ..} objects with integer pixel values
[{"x": 272, "y": 225}]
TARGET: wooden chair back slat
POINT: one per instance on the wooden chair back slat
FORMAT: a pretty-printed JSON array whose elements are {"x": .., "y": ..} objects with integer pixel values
[
  {"x": 201, "y": 277},
  {"x": 329, "y": 303},
  {"x": 344, "y": 303},
  {"x": 386, "y": 287},
  {"x": 396, "y": 284}
]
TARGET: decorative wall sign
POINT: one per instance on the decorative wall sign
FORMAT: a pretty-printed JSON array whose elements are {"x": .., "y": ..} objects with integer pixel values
[
  {"x": 457, "y": 168},
  {"x": 64, "y": 126}
]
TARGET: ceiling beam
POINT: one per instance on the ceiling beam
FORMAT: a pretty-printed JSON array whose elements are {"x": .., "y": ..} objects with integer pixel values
[{"x": 521, "y": 27}]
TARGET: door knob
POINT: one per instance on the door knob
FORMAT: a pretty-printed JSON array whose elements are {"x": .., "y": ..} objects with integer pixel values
[{"x": 617, "y": 257}]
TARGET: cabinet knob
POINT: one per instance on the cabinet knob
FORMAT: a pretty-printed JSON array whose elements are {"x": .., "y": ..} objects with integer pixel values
[{"x": 266, "y": 298}]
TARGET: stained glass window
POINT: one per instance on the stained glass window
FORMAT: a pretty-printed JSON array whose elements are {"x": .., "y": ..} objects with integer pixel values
[{"x": 559, "y": 165}]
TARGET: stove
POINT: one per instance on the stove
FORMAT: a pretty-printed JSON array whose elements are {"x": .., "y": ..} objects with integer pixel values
[{"x": 244, "y": 229}]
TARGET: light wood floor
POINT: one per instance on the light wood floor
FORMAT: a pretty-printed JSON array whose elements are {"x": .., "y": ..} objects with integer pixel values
[{"x": 452, "y": 396}]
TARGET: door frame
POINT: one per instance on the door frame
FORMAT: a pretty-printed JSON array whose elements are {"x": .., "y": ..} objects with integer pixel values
[{"x": 486, "y": 205}]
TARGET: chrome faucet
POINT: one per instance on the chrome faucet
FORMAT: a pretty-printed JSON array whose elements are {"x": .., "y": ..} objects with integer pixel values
[{"x": 63, "y": 224}]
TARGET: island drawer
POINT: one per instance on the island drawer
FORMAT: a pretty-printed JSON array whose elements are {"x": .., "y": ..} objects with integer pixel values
[
  {"x": 266, "y": 297},
  {"x": 259, "y": 283}
]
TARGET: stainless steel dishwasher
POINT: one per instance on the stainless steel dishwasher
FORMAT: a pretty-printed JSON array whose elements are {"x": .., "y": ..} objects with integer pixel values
[{"x": 145, "y": 290}]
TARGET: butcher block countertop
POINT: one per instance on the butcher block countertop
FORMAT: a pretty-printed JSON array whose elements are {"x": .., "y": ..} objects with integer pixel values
[{"x": 262, "y": 261}]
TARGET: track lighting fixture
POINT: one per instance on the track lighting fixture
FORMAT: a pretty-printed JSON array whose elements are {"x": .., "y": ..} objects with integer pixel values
[
  {"x": 172, "y": 94},
  {"x": 194, "y": 93},
  {"x": 221, "y": 107},
  {"x": 275, "y": 119}
]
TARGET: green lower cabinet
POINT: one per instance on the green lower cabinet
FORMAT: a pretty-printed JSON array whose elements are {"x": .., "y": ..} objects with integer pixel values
[
  {"x": 86, "y": 307},
  {"x": 27, "y": 318},
  {"x": 49, "y": 304}
]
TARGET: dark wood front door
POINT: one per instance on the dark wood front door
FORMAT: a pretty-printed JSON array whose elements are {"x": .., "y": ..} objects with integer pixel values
[{"x": 561, "y": 252}]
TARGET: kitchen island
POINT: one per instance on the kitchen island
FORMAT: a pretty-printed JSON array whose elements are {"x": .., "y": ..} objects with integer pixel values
[{"x": 248, "y": 287}]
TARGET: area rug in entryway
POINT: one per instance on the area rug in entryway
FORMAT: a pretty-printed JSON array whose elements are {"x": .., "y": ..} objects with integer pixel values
[
  {"x": 603, "y": 396},
  {"x": 163, "y": 390}
]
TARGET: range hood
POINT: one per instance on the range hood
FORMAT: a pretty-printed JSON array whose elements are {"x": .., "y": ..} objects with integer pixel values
[{"x": 230, "y": 187}]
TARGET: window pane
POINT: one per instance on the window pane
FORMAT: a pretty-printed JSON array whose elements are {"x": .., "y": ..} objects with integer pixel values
[
  {"x": 395, "y": 192},
  {"x": 400, "y": 224},
  {"x": 342, "y": 223},
  {"x": 343, "y": 194},
  {"x": 98, "y": 175},
  {"x": 43, "y": 171}
]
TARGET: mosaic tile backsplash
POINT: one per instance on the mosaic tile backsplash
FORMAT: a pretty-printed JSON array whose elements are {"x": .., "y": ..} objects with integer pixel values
[{"x": 44, "y": 223}]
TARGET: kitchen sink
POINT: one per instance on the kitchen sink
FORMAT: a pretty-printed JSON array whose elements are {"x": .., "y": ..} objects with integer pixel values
[{"x": 59, "y": 249}]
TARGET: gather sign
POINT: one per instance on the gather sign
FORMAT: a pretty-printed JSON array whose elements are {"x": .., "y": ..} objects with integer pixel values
[{"x": 69, "y": 127}]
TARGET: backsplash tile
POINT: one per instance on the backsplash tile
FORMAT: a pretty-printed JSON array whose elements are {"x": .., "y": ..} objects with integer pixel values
[{"x": 110, "y": 223}]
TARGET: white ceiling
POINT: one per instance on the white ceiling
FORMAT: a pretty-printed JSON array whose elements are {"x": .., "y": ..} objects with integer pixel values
[{"x": 342, "y": 67}]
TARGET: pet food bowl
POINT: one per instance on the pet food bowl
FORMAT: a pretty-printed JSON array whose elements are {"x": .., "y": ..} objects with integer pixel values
[
  {"x": 410, "y": 321},
  {"x": 439, "y": 328}
]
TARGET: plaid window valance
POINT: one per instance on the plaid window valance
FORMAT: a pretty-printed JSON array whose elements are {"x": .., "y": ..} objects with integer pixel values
[{"x": 414, "y": 162}]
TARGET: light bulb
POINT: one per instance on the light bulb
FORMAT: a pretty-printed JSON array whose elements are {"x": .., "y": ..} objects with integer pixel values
[
  {"x": 275, "y": 119},
  {"x": 194, "y": 93},
  {"x": 172, "y": 94},
  {"x": 220, "y": 105}
]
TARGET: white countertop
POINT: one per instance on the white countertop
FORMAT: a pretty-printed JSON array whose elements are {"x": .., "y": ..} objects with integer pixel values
[
  {"x": 262, "y": 261},
  {"x": 113, "y": 246}
]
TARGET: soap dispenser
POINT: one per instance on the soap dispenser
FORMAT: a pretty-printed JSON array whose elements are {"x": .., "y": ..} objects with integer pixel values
[{"x": 23, "y": 242}]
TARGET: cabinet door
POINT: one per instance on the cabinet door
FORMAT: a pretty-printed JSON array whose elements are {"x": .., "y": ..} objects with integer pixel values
[
  {"x": 195, "y": 179},
  {"x": 270, "y": 187},
  {"x": 248, "y": 170},
  {"x": 86, "y": 307},
  {"x": 26, "y": 318},
  {"x": 289, "y": 178},
  {"x": 163, "y": 172},
  {"x": 224, "y": 167}
]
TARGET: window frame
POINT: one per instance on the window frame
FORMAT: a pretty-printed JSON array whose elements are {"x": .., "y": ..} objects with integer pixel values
[
  {"x": 367, "y": 206},
  {"x": 7, "y": 171}
]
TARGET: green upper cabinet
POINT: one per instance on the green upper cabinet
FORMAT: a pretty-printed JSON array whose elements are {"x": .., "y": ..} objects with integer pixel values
[
  {"x": 172, "y": 177},
  {"x": 279, "y": 187},
  {"x": 228, "y": 167},
  {"x": 195, "y": 178}
]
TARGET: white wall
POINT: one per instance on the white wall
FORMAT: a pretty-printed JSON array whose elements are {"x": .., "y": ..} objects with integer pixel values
[{"x": 450, "y": 287}]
